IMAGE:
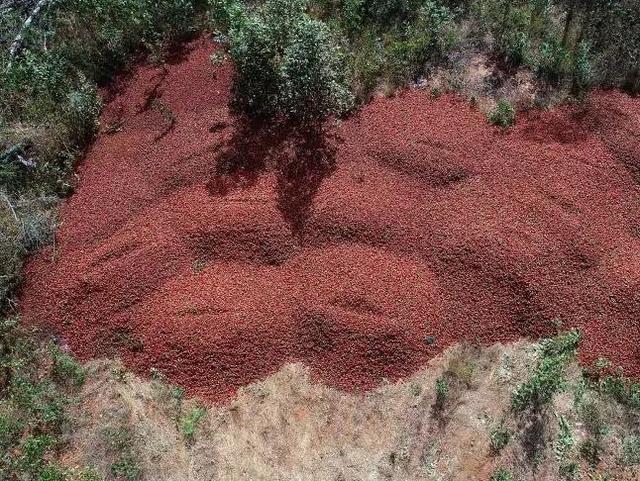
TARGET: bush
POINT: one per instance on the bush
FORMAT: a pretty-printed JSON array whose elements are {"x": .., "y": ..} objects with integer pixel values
[
  {"x": 503, "y": 114},
  {"x": 222, "y": 13},
  {"x": 25, "y": 224},
  {"x": 442, "y": 392},
  {"x": 499, "y": 438},
  {"x": 509, "y": 25},
  {"x": 590, "y": 450},
  {"x": 191, "y": 421},
  {"x": 583, "y": 71},
  {"x": 120, "y": 442},
  {"x": 49, "y": 103},
  {"x": 287, "y": 64},
  {"x": 554, "y": 62},
  {"x": 501, "y": 475},
  {"x": 548, "y": 377},
  {"x": 612, "y": 29},
  {"x": 631, "y": 450},
  {"x": 35, "y": 395},
  {"x": 112, "y": 31},
  {"x": 622, "y": 390},
  {"x": 425, "y": 39}
]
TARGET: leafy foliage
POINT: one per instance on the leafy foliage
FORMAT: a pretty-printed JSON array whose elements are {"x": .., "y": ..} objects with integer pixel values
[
  {"x": 49, "y": 103},
  {"x": 394, "y": 41},
  {"x": 625, "y": 391},
  {"x": 442, "y": 392},
  {"x": 120, "y": 442},
  {"x": 49, "y": 107},
  {"x": 37, "y": 384},
  {"x": 503, "y": 115},
  {"x": 502, "y": 475},
  {"x": 548, "y": 376},
  {"x": 563, "y": 449},
  {"x": 499, "y": 438},
  {"x": 631, "y": 450},
  {"x": 287, "y": 64},
  {"x": 588, "y": 45},
  {"x": 191, "y": 421}
]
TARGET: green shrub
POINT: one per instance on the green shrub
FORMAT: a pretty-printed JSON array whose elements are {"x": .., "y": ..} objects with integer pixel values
[
  {"x": 547, "y": 378},
  {"x": 111, "y": 31},
  {"x": 583, "y": 70},
  {"x": 631, "y": 450},
  {"x": 222, "y": 13},
  {"x": 287, "y": 64},
  {"x": 33, "y": 406},
  {"x": 569, "y": 471},
  {"x": 65, "y": 369},
  {"x": 191, "y": 421},
  {"x": 502, "y": 475},
  {"x": 25, "y": 224},
  {"x": 503, "y": 114},
  {"x": 509, "y": 24},
  {"x": 81, "y": 111},
  {"x": 499, "y": 438},
  {"x": 126, "y": 468},
  {"x": 623, "y": 390},
  {"x": 120, "y": 442},
  {"x": 563, "y": 448},
  {"x": 442, "y": 392},
  {"x": 554, "y": 62},
  {"x": 591, "y": 416},
  {"x": 49, "y": 103},
  {"x": 425, "y": 39},
  {"x": 612, "y": 29},
  {"x": 353, "y": 13}
]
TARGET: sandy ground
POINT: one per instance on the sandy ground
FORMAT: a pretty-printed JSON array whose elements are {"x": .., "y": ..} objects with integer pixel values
[{"x": 289, "y": 428}]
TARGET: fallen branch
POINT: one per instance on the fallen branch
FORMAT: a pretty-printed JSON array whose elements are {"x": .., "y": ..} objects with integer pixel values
[{"x": 17, "y": 42}]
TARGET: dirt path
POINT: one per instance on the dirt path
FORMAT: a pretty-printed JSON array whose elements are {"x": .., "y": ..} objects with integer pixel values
[{"x": 215, "y": 253}]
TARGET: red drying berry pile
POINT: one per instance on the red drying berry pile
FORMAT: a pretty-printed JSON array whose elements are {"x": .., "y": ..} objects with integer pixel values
[{"x": 216, "y": 252}]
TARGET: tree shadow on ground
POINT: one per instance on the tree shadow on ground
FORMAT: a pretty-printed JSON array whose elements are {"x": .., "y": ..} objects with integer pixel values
[{"x": 301, "y": 156}]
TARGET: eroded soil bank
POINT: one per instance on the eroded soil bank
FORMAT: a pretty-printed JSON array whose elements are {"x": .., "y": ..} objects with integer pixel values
[{"x": 215, "y": 252}]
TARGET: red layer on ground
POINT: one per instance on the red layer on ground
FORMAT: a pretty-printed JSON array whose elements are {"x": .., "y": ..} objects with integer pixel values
[{"x": 214, "y": 253}]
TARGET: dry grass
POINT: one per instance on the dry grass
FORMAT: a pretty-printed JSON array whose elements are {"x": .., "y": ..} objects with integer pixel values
[{"x": 290, "y": 428}]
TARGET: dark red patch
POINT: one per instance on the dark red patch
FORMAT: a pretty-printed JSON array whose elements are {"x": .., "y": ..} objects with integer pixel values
[{"x": 215, "y": 252}]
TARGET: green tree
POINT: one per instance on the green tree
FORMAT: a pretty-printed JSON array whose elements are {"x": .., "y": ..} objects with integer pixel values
[{"x": 287, "y": 64}]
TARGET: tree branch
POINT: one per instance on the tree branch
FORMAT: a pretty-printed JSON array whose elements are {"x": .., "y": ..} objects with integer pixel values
[{"x": 17, "y": 42}]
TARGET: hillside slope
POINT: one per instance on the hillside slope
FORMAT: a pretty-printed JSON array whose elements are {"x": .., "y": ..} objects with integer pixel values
[{"x": 287, "y": 428}]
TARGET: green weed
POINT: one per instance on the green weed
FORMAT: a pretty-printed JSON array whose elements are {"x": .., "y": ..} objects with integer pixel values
[
  {"x": 631, "y": 450},
  {"x": 503, "y": 114},
  {"x": 191, "y": 421},
  {"x": 502, "y": 475},
  {"x": 548, "y": 377},
  {"x": 499, "y": 438},
  {"x": 442, "y": 392},
  {"x": 37, "y": 385}
]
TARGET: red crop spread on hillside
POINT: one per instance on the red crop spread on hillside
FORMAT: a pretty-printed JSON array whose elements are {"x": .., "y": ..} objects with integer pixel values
[{"x": 215, "y": 252}]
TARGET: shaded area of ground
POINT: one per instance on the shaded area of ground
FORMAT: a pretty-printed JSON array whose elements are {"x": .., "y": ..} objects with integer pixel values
[{"x": 215, "y": 253}]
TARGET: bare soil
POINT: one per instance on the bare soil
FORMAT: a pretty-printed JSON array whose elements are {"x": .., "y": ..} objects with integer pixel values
[{"x": 288, "y": 428}]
